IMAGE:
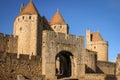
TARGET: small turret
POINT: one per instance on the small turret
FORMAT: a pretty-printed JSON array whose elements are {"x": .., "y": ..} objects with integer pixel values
[{"x": 58, "y": 24}]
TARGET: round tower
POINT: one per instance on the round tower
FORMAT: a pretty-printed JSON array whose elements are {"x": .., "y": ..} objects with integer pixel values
[
  {"x": 27, "y": 27},
  {"x": 96, "y": 43}
]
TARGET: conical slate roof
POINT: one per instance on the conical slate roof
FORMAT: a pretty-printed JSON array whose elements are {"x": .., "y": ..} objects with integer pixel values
[
  {"x": 29, "y": 9},
  {"x": 57, "y": 19}
]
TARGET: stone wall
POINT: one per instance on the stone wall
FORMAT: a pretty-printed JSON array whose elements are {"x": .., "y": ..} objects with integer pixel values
[
  {"x": 2, "y": 42},
  {"x": 99, "y": 77},
  {"x": 90, "y": 59},
  {"x": 118, "y": 65},
  {"x": 8, "y": 43},
  {"x": 106, "y": 67},
  {"x": 11, "y": 66},
  {"x": 94, "y": 77},
  {"x": 54, "y": 43}
]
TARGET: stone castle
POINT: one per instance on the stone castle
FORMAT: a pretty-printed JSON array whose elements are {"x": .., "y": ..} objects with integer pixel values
[{"x": 42, "y": 50}]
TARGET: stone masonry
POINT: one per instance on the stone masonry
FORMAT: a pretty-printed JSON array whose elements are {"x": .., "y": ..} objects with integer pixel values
[{"x": 42, "y": 50}]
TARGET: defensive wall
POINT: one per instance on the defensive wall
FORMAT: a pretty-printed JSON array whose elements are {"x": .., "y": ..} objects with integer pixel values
[
  {"x": 106, "y": 67},
  {"x": 99, "y": 77},
  {"x": 11, "y": 66},
  {"x": 8, "y": 43},
  {"x": 66, "y": 40},
  {"x": 90, "y": 59}
]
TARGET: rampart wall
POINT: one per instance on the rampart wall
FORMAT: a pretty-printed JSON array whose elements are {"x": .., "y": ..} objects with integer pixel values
[
  {"x": 106, "y": 67},
  {"x": 118, "y": 65},
  {"x": 8, "y": 43},
  {"x": 90, "y": 59},
  {"x": 11, "y": 66},
  {"x": 99, "y": 77}
]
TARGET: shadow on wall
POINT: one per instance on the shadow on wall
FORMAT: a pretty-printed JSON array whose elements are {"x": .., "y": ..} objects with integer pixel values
[
  {"x": 89, "y": 70},
  {"x": 99, "y": 70},
  {"x": 111, "y": 77}
]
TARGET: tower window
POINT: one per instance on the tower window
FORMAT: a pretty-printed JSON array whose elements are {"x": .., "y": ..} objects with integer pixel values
[
  {"x": 94, "y": 47},
  {"x": 18, "y": 19},
  {"x": 23, "y": 17},
  {"x": 91, "y": 36},
  {"x": 20, "y": 28},
  {"x": 54, "y": 27},
  {"x": 29, "y": 17},
  {"x": 60, "y": 26}
]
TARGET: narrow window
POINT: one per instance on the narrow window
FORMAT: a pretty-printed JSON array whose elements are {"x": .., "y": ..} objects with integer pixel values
[
  {"x": 8, "y": 40},
  {"x": 18, "y": 19},
  {"x": 54, "y": 27},
  {"x": 20, "y": 28},
  {"x": 29, "y": 17},
  {"x": 60, "y": 26},
  {"x": 23, "y": 17},
  {"x": 91, "y": 36},
  {"x": 94, "y": 47}
]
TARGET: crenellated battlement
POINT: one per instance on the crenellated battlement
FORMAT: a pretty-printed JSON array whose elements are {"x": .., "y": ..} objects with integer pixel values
[
  {"x": 8, "y": 43},
  {"x": 11, "y": 66},
  {"x": 7, "y": 36},
  {"x": 36, "y": 58},
  {"x": 63, "y": 38},
  {"x": 21, "y": 56},
  {"x": 10, "y": 36},
  {"x": 10, "y": 55}
]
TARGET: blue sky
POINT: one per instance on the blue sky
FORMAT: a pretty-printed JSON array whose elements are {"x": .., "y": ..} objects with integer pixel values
[{"x": 97, "y": 15}]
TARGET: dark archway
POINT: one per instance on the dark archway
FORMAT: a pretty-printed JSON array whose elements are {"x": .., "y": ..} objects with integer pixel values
[{"x": 63, "y": 64}]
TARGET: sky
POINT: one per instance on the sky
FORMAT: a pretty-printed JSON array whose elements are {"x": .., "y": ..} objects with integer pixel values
[{"x": 96, "y": 15}]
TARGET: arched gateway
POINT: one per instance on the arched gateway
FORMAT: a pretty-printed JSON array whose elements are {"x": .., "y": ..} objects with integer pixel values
[{"x": 63, "y": 66}]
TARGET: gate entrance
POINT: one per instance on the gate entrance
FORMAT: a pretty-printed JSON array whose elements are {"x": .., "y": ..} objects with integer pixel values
[{"x": 63, "y": 64}]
